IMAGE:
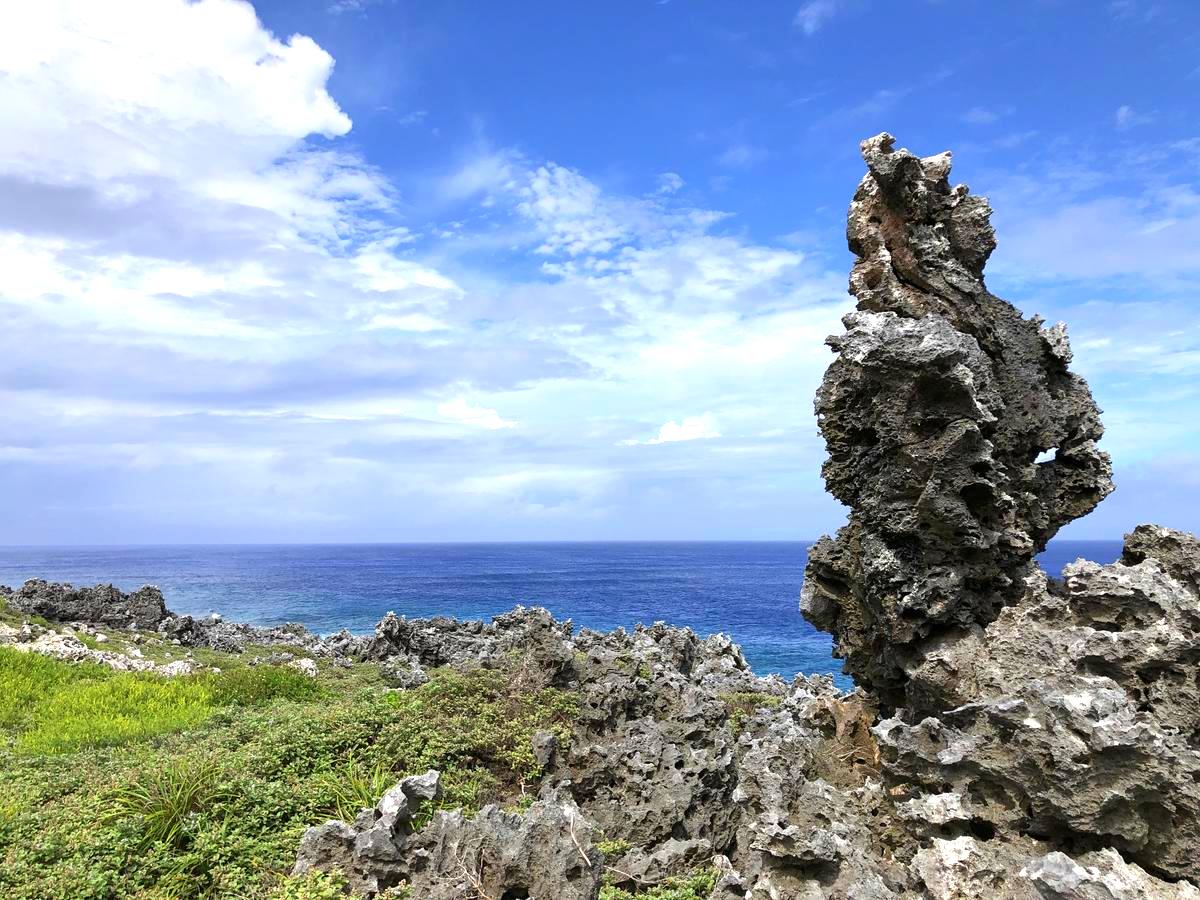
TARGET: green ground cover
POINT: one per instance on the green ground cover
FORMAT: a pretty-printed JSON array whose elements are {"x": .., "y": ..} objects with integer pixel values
[{"x": 132, "y": 785}]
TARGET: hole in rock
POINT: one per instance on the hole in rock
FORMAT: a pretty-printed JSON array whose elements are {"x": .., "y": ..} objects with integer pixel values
[
  {"x": 984, "y": 831},
  {"x": 1046, "y": 456},
  {"x": 978, "y": 498},
  {"x": 515, "y": 893}
]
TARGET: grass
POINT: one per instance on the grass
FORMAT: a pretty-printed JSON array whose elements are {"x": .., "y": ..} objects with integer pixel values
[
  {"x": 128, "y": 785},
  {"x": 354, "y": 785},
  {"x": 114, "y": 711},
  {"x": 27, "y": 678},
  {"x": 741, "y": 705},
  {"x": 696, "y": 886},
  {"x": 165, "y": 799},
  {"x": 51, "y": 706}
]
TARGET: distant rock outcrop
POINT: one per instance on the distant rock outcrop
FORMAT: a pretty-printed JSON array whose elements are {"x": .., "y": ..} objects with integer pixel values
[{"x": 99, "y": 605}]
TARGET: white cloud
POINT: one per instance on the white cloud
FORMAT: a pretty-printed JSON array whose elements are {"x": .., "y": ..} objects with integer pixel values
[
  {"x": 212, "y": 316},
  {"x": 981, "y": 115},
  {"x": 669, "y": 183},
  {"x": 692, "y": 428},
  {"x": 461, "y": 410},
  {"x": 158, "y": 88},
  {"x": 569, "y": 210},
  {"x": 812, "y": 16},
  {"x": 1127, "y": 117},
  {"x": 742, "y": 156}
]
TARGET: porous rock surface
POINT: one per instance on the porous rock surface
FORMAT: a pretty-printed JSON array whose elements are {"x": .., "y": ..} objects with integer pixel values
[
  {"x": 545, "y": 852},
  {"x": 99, "y": 605},
  {"x": 1040, "y": 738},
  {"x": 940, "y": 401}
]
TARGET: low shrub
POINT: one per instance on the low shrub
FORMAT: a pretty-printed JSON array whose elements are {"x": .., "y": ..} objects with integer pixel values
[
  {"x": 697, "y": 886},
  {"x": 218, "y": 811},
  {"x": 253, "y": 685},
  {"x": 477, "y": 728}
]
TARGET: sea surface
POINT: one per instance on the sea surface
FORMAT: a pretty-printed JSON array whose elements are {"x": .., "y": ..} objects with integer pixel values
[{"x": 747, "y": 590}]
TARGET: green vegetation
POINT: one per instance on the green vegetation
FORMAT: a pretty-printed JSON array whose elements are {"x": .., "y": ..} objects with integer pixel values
[
  {"x": 613, "y": 849},
  {"x": 26, "y": 678},
  {"x": 696, "y": 886},
  {"x": 744, "y": 704},
  {"x": 131, "y": 785}
]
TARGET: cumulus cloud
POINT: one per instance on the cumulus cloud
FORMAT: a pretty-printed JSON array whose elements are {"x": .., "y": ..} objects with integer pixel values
[
  {"x": 221, "y": 323},
  {"x": 692, "y": 428}
]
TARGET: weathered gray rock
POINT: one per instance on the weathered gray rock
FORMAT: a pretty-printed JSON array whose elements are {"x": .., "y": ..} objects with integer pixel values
[
  {"x": 940, "y": 401},
  {"x": 445, "y": 641},
  {"x": 810, "y": 803},
  {"x": 1075, "y": 715},
  {"x": 234, "y": 637},
  {"x": 103, "y": 604},
  {"x": 1019, "y": 708},
  {"x": 547, "y": 851},
  {"x": 965, "y": 868}
]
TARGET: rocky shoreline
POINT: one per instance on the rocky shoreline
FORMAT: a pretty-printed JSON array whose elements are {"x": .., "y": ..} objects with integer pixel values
[{"x": 1012, "y": 736}]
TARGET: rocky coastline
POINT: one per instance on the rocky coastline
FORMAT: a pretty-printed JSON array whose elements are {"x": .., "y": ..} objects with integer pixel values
[{"x": 1012, "y": 735}]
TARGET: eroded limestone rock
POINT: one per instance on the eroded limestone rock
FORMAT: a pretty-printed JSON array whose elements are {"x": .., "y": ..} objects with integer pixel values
[
  {"x": 546, "y": 851},
  {"x": 103, "y": 604},
  {"x": 1075, "y": 714},
  {"x": 934, "y": 413},
  {"x": 1032, "y": 726}
]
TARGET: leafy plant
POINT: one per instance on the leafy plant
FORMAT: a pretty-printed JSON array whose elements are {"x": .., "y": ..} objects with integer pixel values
[
  {"x": 165, "y": 800},
  {"x": 354, "y": 785},
  {"x": 311, "y": 886},
  {"x": 741, "y": 705}
]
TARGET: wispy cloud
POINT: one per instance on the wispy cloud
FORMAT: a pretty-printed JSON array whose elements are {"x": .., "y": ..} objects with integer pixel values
[
  {"x": 1127, "y": 117},
  {"x": 742, "y": 155},
  {"x": 216, "y": 313},
  {"x": 815, "y": 14},
  {"x": 461, "y": 410},
  {"x": 981, "y": 115},
  {"x": 669, "y": 183}
]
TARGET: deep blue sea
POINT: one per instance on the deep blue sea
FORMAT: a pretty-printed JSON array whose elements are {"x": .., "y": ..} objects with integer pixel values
[{"x": 747, "y": 590}]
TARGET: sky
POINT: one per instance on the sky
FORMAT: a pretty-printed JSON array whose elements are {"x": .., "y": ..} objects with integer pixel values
[{"x": 377, "y": 270}]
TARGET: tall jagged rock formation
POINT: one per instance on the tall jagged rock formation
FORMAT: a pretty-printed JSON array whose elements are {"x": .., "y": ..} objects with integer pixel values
[
  {"x": 934, "y": 413},
  {"x": 1017, "y": 707}
]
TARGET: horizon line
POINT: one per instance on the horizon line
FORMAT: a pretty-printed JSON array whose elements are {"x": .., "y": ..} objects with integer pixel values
[{"x": 465, "y": 543}]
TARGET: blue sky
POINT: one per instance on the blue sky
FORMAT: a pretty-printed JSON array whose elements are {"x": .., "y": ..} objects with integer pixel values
[{"x": 360, "y": 270}]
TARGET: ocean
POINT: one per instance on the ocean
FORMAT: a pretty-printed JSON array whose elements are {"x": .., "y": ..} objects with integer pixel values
[{"x": 747, "y": 590}]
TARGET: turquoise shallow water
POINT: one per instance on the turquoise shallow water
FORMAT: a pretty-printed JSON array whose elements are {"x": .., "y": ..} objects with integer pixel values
[{"x": 747, "y": 590}]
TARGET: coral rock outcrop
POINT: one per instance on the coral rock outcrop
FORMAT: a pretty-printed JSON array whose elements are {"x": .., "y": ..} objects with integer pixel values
[
  {"x": 935, "y": 412},
  {"x": 1041, "y": 738},
  {"x": 99, "y": 605}
]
